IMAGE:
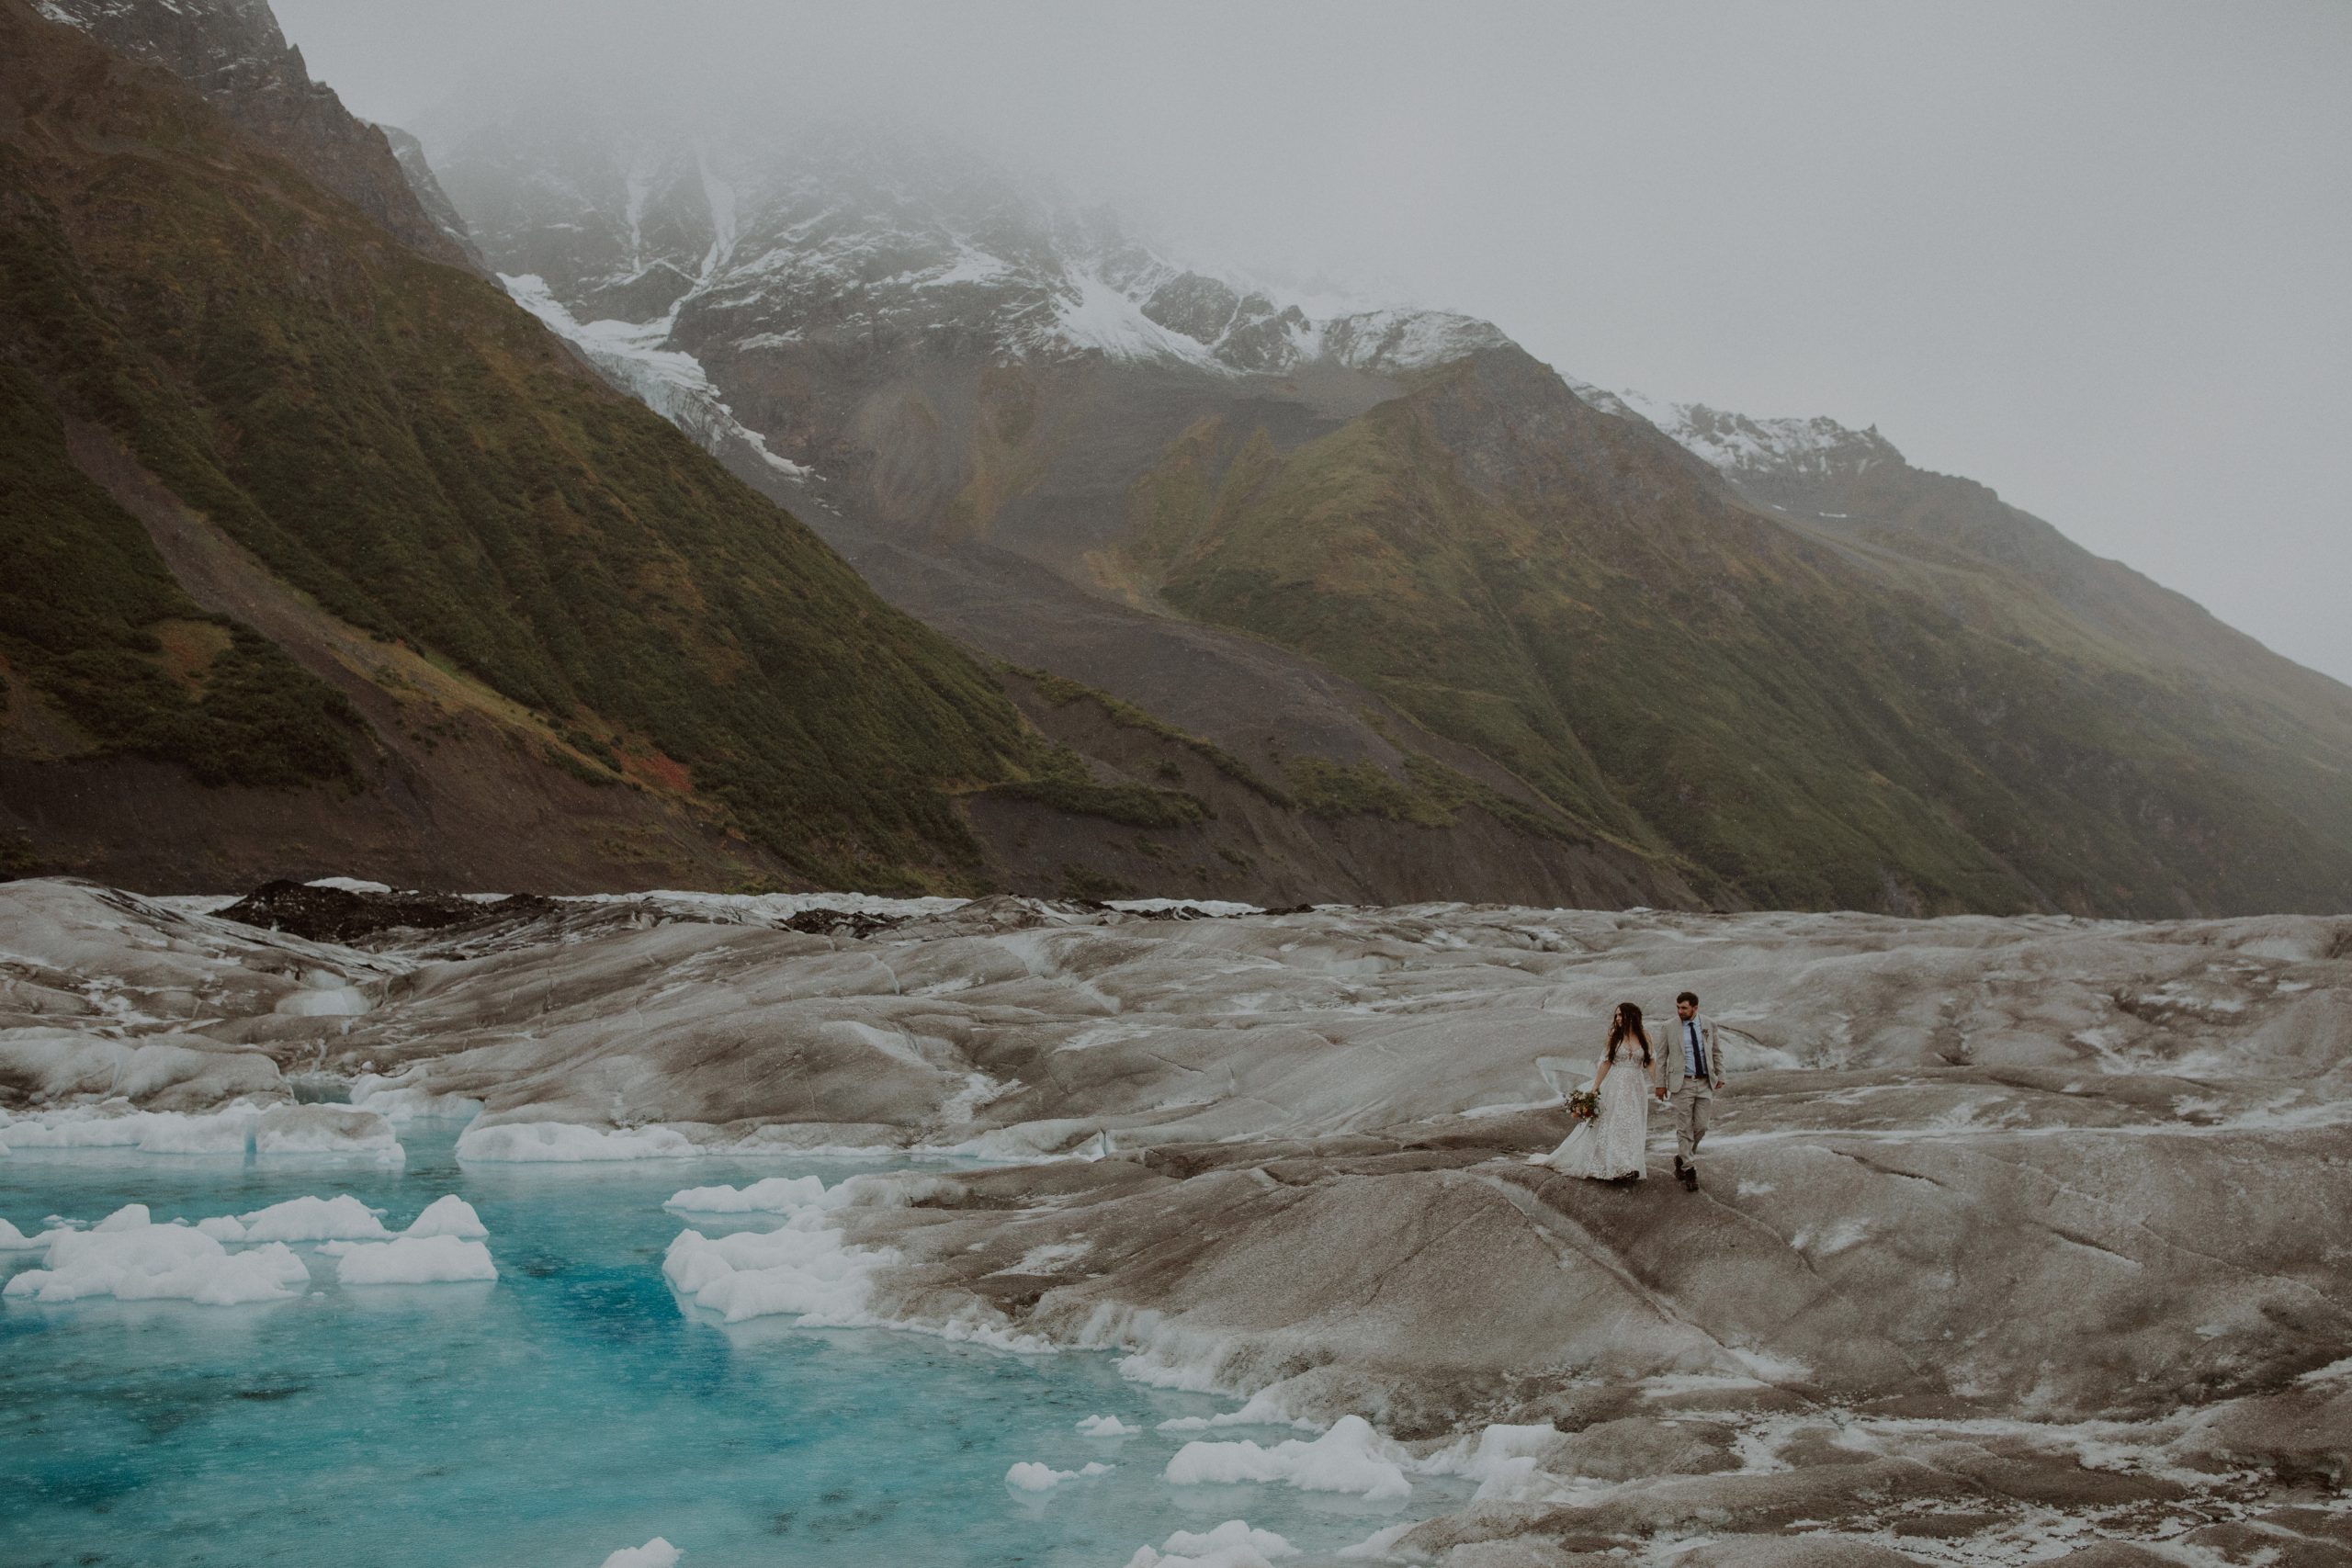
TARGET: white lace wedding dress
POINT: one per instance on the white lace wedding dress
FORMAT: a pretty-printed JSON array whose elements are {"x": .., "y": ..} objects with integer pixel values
[{"x": 1614, "y": 1144}]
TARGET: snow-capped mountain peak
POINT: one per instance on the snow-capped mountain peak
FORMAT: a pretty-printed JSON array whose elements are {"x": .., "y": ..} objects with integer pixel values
[
  {"x": 683, "y": 262},
  {"x": 1746, "y": 446}
]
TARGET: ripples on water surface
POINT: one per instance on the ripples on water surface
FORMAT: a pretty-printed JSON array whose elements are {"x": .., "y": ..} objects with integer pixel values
[{"x": 565, "y": 1411}]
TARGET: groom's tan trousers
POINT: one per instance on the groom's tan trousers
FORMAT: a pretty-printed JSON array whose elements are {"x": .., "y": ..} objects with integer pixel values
[{"x": 1692, "y": 1104}]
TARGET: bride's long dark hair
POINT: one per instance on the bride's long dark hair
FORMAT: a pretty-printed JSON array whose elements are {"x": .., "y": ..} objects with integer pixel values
[{"x": 1628, "y": 1023}]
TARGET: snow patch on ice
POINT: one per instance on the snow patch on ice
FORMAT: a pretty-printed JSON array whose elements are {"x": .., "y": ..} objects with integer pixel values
[
  {"x": 775, "y": 1195},
  {"x": 1155, "y": 1370},
  {"x": 1377, "y": 1546},
  {"x": 1206, "y": 908},
  {"x": 771, "y": 908},
  {"x": 1261, "y": 1409},
  {"x": 1502, "y": 1460},
  {"x": 406, "y": 1098}
]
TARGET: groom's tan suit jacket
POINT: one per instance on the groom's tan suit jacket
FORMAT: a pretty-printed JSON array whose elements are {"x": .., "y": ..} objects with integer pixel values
[{"x": 1669, "y": 1054}]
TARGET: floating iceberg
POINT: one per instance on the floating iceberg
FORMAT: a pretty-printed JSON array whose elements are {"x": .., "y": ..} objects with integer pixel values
[
  {"x": 448, "y": 1215},
  {"x": 129, "y": 1259},
  {"x": 413, "y": 1261},
  {"x": 1232, "y": 1544},
  {"x": 519, "y": 1141},
  {"x": 1107, "y": 1427},
  {"x": 1351, "y": 1457},
  {"x": 654, "y": 1553},
  {"x": 14, "y": 1240},
  {"x": 340, "y": 1218},
  {"x": 1031, "y": 1476}
]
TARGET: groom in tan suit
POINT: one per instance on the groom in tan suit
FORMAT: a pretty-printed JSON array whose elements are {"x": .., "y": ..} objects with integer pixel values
[{"x": 1693, "y": 1076}]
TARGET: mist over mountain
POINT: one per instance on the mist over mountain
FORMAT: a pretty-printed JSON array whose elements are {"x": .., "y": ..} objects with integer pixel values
[{"x": 1020, "y": 423}]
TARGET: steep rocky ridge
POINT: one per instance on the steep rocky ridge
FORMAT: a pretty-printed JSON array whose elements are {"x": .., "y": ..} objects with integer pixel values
[
  {"x": 233, "y": 52},
  {"x": 1803, "y": 711},
  {"x": 285, "y": 427}
]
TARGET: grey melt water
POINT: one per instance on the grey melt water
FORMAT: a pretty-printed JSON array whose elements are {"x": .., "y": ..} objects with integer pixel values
[{"x": 569, "y": 1409}]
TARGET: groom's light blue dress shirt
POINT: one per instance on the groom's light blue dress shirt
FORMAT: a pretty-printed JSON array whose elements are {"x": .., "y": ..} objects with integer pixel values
[{"x": 1694, "y": 1055}]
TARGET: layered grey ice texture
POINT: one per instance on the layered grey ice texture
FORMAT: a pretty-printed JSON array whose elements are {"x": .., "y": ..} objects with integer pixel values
[{"x": 2013, "y": 1234}]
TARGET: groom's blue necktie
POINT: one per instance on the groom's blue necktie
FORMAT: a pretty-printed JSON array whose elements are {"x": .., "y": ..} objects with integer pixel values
[{"x": 1698, "y": 1051}]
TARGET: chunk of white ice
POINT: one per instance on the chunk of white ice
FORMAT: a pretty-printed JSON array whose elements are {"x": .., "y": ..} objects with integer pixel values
[
  {"x": 654, "y": 1553},
  {"x": 1107, "y": 1427},
  {"x": 14, "y": 1240},
  {"x": 1031, "y": 1476},
  {"x": 340, "y": 1218},
  {"x": 1232, "y": 1544},
  {"x": 776, "y": 1195},
  {"x": 1350, "y": 1458},
  {"x": 801, "y": 1266},
  {"x": 132, "y": 1261},
  {"x": 448, "y": 1215},
  {"x": 413, "y": 1261}
]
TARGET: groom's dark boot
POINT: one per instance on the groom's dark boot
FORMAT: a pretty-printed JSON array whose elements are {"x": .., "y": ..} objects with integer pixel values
[{"x": 1688, "y": 1172}]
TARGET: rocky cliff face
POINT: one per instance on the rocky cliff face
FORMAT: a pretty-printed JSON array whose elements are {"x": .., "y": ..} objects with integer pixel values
[{"x": 233, "y": 52}]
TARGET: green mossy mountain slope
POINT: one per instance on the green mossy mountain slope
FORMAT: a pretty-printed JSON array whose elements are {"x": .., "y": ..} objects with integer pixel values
[
  {"x": 1569, "y": 593},
  {"x": 395, "y": 440}
]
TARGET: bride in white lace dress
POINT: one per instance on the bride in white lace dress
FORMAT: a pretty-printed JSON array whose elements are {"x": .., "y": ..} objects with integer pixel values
[{"x": 1612, "y": 1145}]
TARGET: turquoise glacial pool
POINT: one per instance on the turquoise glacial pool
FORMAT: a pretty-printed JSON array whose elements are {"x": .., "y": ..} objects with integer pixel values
[{"x": 567, "y": 1410}]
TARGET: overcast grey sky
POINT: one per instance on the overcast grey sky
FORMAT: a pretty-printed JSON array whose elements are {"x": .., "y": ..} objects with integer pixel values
[{"x": 2096, "y": 255}]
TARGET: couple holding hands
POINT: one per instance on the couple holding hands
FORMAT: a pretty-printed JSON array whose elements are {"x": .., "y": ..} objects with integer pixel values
[{"x": 1611, "y": 1135}]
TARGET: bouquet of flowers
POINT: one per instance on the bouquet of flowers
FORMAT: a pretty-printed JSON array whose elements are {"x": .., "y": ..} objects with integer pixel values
[{"x": 1584, "y": 1104}]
